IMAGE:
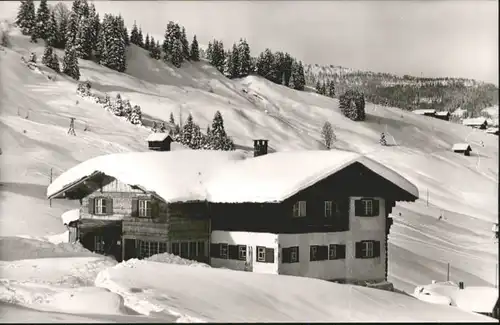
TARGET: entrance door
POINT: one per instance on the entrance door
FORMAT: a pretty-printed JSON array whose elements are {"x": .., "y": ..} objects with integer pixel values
[
  {"x": 249, "y": 261},
  {"x": 129, "y": 249}
]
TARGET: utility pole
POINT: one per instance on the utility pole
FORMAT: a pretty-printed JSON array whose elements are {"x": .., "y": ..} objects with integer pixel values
[
  {"x": 427, "y": 197},
  {"x": 50, "y": 201}
]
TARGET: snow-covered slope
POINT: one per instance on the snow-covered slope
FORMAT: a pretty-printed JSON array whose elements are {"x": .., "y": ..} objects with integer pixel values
[{"x": 462, "y": 189}]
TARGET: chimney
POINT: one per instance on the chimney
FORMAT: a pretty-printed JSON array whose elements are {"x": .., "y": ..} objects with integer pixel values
[
  {"x": 259, "y": 147},
  {"x": 461, "y": 285}
]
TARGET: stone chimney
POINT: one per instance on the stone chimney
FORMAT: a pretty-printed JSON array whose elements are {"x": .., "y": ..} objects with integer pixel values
[
  {"x": 461, "y": 285},
  {"x": 259, "y": 147}
]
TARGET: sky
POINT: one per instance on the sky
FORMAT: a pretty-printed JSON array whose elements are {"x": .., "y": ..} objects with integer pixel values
[{"x": 454, "y": 38}]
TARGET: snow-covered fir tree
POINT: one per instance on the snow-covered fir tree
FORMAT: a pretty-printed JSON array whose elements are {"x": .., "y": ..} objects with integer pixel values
[
  {"x": 26, "y": 17},
  {"x": 162, "y": 128},
  {"x": 331, "y": 88},
  {"x": 134, "y": 34},
  {"x": 172, "y": 33},
  {"x": 111, "y": 46},
  {"x": 265, "y": 64},
  {"x": 107, "y": 103},
  {"x": 171, "y": 119},
  {"x": 136, "y": 116},
  {"x": 118, "y": 107},
  {"x": 352, "y": 105},
  {"x": 141, "y": 38},
  {"x": 244, "y": 57},
  {"x": 194, "y": 54},
  {"x": 50, "y": 59},
  {"x": 154, "y": 49},
  {"x": 95, "y": 25},
  {"x": 228, "y": 63},
  {"x": 124, "y": 31},
  {"x": 216, "y": 55},
  {"x": 52, "y": 39},
  {"x": 177, "y": 55},
  {"x": 234, "y": 69},
  {"x": 42, "y": 20},
  {"x": 298, "y": 77},
  {"x": 187, "y": 131},
  {"x": 146, "y": 42},
  {"x": 62, "y": 18},
  {"x": 72, "y": 30},
  {"x": 219, "y": 138},
  {"x": 197, "y": 139},
  {"x": 185, "y": 44},
  {"x": 318, "y": 87},
  {"x": 127, "y": 108},
  {"x": 84, "y": 41},
  {"x": 328, "y": 135},
  {"x": 154, "y": 127},
  {"x": 70, "y": 63}
]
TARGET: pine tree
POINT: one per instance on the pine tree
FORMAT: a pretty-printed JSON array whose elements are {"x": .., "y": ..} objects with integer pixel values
[
  {"x": 318, "y": 87},
  {"x": 54, "y": 63},
  {"x": 95, "y": 25},
  {"x": 187, "y": 131},
  {"x": 177, "y": 55},
  {"x": 141, "y": 39},
  {"x": 26, "y": 18},
  {"x": 118, "y": 107},
  {"x": 154, "y": 49},
  {"x": 197, "y": 139},
  {"x": 228, "y": 64},
  {"x": 70, "y": 63},
  {"x": 61, "y": 31},
  {"x": 42, "y": 20},
  {"x": 168, "y": 40},
  {"x": 244, "y": 58},
  {"x": 127, "y": 109},
  {"x": 323, "y": 89},
  {"x": 234, "y": 69},
  {"x": 52, "y": 31},
  {"x": 71, "y": 30},
  {"x": 194, "y": 54},
  {"x": 352, "y": 105},
  {"x": 136, "y": 116},
  {"x": 171, "y": 119},
  {"x": 162, "y": 128},
  {"x": 84, "y": 41},
  {"x": 327, "y": 135},
  {"x": 47, "y": 56},
  {"x": 157, "y": 51},
  {"x": 265, "y": 66},
  {"x": 146, "y": 43},
  {"x": 185, "y": 44},
  {"x": 298, "y": 76},
  {"x": 112, "y": 48},
  {"x": 219, "y": 138},
  {"x": 331, "y": 88},
  {"x": 134, "y": 34}
]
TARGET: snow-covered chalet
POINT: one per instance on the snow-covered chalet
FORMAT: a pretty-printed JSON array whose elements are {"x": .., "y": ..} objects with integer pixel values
[{"x": 320, "y": 214}]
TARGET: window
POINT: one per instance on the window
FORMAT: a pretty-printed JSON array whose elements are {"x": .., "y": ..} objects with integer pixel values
[
  {"x": 201, "y": 248},
  {"x": 192, "y": 249},
  {"x": 99, "y": 244},
  {"x": 150, "y": 248},
  {"x": 328, "y": 209},
  {"x": 223, "y": 248},
  {"x": 176, "y": 248},
  {"x": 265, "y": 254},
  {"x": 242, "y": 252},
  {"x": 145, "y": 208},
  {"x": 318, "y": 253},
  {"x": 366, "y": 207},
  {"x": 299, "y": 209},
  {"x": 290, "y": 254},
  {"x": 101, "y": 206},
  {"x": 368, "y": 249},
  {"x": 336, "y": 252},
  {"x": 184, "y": 250}
]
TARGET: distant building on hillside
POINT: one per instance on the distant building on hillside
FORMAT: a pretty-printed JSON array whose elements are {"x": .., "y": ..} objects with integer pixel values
[
  {"x": 462, "y": 148},
  {"x": 477, "y": 122},
  {"x": 319, "y": 214},
  {"x": 443, "y": 115},
  {"x": 425, "y": 112},
  {"x": 159, "y": 141}
]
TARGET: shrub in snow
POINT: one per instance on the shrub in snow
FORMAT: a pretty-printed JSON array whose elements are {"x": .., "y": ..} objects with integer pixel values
[
  {"x": 352, "y": 105},
  {"x": 127, "y": 108},
  {"x": 83, "y": 89},
  {"x": 107, "y": 102},
  {"x": 117, "y": 107},
  {"x": 382, "y": 139}
]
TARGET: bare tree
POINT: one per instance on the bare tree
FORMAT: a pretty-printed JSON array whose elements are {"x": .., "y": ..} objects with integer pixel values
[
  {"x": 328, "y": 135},
  {"x": 61, "y": 12}
]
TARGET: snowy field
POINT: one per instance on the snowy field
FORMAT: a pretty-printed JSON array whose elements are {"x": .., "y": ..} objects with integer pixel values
[{"x": 36, "y": 274}]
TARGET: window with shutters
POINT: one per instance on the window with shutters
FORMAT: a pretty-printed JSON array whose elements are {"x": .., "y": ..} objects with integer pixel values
[
  {"x": 336, "y": 251},
  {"x": 100, "y": 206},
  {"x": 144, "y": 208},
  {"x": 223, "y": 251},
  {"x": 367, "y": 249},
  {"x": 242, "y": 252},
  {"x": 367, "y": 207},
  {"x": 328, "y": 209},
  {"x": 299, "y": 209},
  {"x": 318, "y": 253},
  {"x": 261, "y": 254},
  {"x": 290, "y": 254}
]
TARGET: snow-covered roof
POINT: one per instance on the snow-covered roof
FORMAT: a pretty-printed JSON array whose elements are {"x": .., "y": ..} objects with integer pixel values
[
  {"x": 492, "y": 130},
  {"x": 460, "y": 147},
  {"x": 474, "y": 121},
  {"x": 224, "y": 177},
  {"x": 424, "y": 111},
  {"x": 70, "y": 215},
  {"x": 442, "y": 113},
  {"x": 157, "y": 136}
]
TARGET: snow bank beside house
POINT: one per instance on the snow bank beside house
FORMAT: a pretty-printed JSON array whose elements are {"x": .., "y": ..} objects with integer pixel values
[
  {"x": 215, "y": 295},
  {"x": 174, "y": 259},
  {"x": 18, "y": 248}
]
